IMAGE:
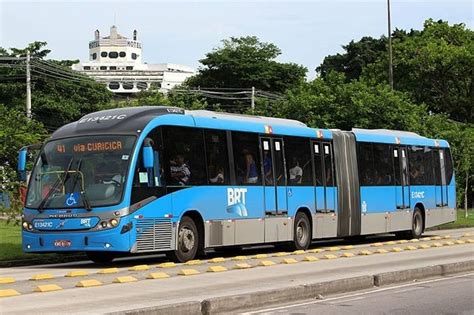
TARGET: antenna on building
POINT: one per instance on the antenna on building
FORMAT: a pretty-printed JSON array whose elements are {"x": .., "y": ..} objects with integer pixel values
[
  {"x": 115, "y": 18},
  {"x": 134, "y": 34}
]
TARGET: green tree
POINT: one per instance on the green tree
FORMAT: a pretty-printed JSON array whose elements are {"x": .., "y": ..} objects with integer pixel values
[
  {"x": 59, "y": 95},
  {"x": 16, "y": 131},
  {"x": 244, "y": 62},
  {"x": 333, "y": 103},
  {"x": 356, "y": 56},
  {"x": 436, "y": 67}
]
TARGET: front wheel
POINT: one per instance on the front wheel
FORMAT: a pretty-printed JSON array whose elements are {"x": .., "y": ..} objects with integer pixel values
[
  {"x": 101, "y": 257},
  {"x": 188, "y": 241}
]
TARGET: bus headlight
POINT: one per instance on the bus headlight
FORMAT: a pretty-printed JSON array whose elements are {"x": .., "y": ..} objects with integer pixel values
[
  {"x": 27, "y": 225},
  {"x": 114, "y": 222}
]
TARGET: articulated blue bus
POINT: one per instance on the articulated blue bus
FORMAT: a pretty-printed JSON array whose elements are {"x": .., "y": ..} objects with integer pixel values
[{"x": 163, "y": 179}]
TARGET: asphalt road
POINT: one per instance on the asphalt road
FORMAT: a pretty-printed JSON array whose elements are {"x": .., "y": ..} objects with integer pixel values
[
  {"x": 332, "y": 263},
  {"x": 449, "y": 295}
]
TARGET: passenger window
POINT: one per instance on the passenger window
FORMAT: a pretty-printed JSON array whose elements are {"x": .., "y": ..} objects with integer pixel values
[
  {"x": 246, "y": 158},
  {"x": 366, "y": 164},
  {"x": 428, "y": 163},
  {"x": 383, "y": 168},
  {"x": 449, "y": 165},
  {"x": 184, "y": 162},
  {"x": 298, "y": 161},
  {"x": 417, "y": 168},
  {"x": 328, "y": 165},
  {"x": 217, "y": 159},
  {"x": 318, "y": 164}
]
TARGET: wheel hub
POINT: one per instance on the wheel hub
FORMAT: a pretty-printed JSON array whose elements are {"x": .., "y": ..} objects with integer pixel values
[
  {"x": 301, "y": 233},
  {"x": 186, "y": 239}
]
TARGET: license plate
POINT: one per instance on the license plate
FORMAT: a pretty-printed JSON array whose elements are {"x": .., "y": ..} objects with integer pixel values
[{"x": 62, "y": 243}]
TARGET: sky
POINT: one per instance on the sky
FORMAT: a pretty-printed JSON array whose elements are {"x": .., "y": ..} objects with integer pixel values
[{"x": 183, "y": 32}]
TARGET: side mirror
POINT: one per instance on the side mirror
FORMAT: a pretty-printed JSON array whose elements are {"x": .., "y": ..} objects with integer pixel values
[
  {"x": 22, "y": 159},
  {"x": 147, "y": 153},
  {"x": 22, "y": 155}
]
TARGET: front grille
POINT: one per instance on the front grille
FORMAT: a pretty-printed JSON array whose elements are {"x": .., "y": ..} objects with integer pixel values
[{"x": 154, "y": 234}]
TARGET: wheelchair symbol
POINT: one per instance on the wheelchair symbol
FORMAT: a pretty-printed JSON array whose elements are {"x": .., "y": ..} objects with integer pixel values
[{"x": 71, "y": 200}]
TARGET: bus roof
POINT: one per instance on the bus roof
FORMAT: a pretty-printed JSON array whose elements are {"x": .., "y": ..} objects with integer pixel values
[
  {"x": 396, "y": 137},
  {"x": 246, "y": 118},
  {"x": 133, "y": 120}
]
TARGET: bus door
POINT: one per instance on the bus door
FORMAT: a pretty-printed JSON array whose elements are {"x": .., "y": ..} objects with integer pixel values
[
  {"x": 329, "y": 176},
  {"x": 400, "y": 161},
  {"x": 326, "y": 223},
  {"x": 274, "y": 176},
  {"x": 440, "y": 176}
]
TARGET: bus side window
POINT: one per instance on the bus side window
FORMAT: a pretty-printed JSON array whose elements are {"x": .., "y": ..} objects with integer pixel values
[
  {"x": 328, "y": 165},
  {"x": 366, "y": 164},
  {"x": 184, "y": 160},
  {"x": 383, "y": 169},
  {"x": 416, "y": 166},
  {"x": 216, "y": 156},
  {"x": 449, "y": 165},
  {"x": 318, "y": 164},
  {"x": 246, "y": 158},
  {"x": 298, "y": 161}
]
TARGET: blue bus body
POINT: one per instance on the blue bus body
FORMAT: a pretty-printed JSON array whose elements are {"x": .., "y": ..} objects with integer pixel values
[{"x": 233, "y": 213}]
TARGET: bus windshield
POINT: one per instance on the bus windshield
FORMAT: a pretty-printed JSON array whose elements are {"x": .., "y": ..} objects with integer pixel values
[{"x": 80, "y": 172}]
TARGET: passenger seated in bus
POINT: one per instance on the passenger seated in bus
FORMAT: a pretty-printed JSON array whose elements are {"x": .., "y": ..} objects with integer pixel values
[
  {"x": 251, "y": 174},
  {"x": 180, "y": 171},
  {"x": 414, "y": 174},
  {"x": 296, "y": 172},
  {"x": 267, "y": 168},
  {"x": 219, "y": 175}
]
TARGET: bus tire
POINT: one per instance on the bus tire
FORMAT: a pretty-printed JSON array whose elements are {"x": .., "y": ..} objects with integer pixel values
[
  {"x": 302, "y": 235},
  {"x": 101, "y": 257},
  {"x": 417, "y": 224},
  {"x": 188, "y": 241}
]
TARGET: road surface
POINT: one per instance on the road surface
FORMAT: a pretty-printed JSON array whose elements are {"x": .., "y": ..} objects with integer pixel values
[
  {"x": 447, "y": 295},
  {"x": 334, "y": 261}
]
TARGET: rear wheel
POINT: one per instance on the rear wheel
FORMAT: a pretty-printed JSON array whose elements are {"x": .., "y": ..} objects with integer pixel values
[
  {"x": 188, "y": 241},
  {"x": 416, "y": 226},
  {"x": 101, "y": 257},
  {"x": 302, "y": 234}
]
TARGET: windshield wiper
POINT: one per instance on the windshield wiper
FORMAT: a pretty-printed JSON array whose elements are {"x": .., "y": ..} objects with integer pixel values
[
  {"x": 55, "y": 186},
  {"x": 84, "y": 197}
]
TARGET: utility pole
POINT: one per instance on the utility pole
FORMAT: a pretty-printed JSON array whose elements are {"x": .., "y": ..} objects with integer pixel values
[
  {"x": 390, "y": 66},
  {"x": 28, "y": 86},
  {"x": 253, "y": 98}
]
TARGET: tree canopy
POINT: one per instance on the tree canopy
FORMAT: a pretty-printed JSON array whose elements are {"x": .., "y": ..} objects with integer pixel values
[
  {"x": 243, "y": 62},
  {"x": 434, "y": 65},
  {"x": 59, "y": 95}
]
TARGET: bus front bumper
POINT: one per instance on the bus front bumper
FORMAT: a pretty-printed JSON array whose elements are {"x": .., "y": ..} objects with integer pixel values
[{"x": 109, "y": 240}]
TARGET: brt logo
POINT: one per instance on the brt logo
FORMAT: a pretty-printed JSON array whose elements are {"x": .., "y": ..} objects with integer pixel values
[
  {"x": 236, "y": 201},
  {"x": 236, "y": 195}
]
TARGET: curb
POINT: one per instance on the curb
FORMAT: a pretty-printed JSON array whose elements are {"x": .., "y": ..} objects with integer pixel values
[
  {"x": 241, "y": 302},
  {"x": 185, "y": 308}
]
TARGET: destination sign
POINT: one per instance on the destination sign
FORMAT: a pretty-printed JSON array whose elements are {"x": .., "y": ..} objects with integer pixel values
[{"x": 91, "y": 146}]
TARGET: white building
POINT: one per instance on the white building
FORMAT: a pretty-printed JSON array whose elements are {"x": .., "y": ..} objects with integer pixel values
[{"x": 117, "y": 61}]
